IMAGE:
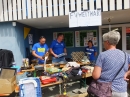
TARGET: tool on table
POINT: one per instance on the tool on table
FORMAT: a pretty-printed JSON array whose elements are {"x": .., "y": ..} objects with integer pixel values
[
  {"x": 45, "y": 58},
  {"x": 26, "y": 64},
  {"x": 35, "y": 62}
]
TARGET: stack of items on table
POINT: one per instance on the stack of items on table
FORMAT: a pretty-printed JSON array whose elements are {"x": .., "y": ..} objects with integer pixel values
[
  {"x": 71, "y": 71},
  {"x": 52, "y": 74},
  {"x": 87, "y": 71}
]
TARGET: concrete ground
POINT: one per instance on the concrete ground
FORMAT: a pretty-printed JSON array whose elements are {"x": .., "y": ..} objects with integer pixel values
[{"x": 54, "y": 90}]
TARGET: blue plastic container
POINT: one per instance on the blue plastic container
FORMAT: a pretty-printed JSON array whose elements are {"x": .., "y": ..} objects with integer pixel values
[{"x": 36, "y": 88}]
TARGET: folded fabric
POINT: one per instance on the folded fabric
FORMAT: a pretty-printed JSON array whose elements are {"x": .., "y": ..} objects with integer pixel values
[
  {"x": 44, "y": 77},
  {"x": 72, "y": 64},
  {"x": 48, "y": 81},
  {"x": 53, "y": 70},
  {"x": 65, "y": 68}
]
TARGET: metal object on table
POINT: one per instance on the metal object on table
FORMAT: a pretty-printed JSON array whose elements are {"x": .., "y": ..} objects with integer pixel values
[
  {"x": 45, "y": 58},
  {"x": 39, "y": 70},
  {"x": 34, "y": 62},
  {"x": 77, "y": 56},
  {"x": 25, "y": 62},
  {"x": 85, "y": 60}
]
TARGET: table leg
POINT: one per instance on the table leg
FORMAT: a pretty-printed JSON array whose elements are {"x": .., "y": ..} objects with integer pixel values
[
  {"x": 60, "y": 89},
  {"x": 16, "y": 94},
  {"x": 83, "y": 83},
  {"x": 34, "y": 73}
]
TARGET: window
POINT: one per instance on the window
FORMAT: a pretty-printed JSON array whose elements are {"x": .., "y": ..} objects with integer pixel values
[
  {"x": 105, "y": 30},
  {"x": 128, "y": 38}
]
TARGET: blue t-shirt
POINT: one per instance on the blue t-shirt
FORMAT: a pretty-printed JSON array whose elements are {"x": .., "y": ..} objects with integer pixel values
[
  {"x": 58, "y": 48},
  {"x": 40, "y": 50},
  {"x": 110, "y": 62},
  {"x": 92, "y": 51}
]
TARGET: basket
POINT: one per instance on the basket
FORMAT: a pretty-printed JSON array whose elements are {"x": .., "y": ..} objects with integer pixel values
[{"x": 30, "y": 87}]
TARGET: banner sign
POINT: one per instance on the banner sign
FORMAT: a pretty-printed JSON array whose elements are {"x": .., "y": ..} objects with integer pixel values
[{"x": 85, "y": 18}]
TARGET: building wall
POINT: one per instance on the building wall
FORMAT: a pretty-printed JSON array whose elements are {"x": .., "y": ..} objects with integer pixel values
[
  {"x": 48, "y": 33},
  {"x": 33, "y": 31},
  {"x": 11, "y": 10},
  {"x": 12, "y": 38},
  {"x": 124, "y": 36}
]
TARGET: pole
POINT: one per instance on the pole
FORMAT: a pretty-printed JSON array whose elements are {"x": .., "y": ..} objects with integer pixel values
[{"x": 109, "y": 20}]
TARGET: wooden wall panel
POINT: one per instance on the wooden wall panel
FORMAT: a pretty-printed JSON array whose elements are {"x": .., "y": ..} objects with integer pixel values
[
  {"x": 5, "y": 10},
  {"x": 14, "y": 10},
  {"x": 72, "y": 5},
  {"x": 126, "y": 4},
  {"x": 98, "y": 4},
  {"x": 78, "y": 5},
  {"x": 29, "y": 9},
  {"x": 24, "y": 9},
  {"x": 44, "y": 8},
  {"x": 85, "y": 5},
  {"x": 119, "y": 4},
  {"x": 10, "y": 10},
  {"x": 105, "y": 5},
  {"x": 67, "y": 7},
  {"x": 55, "y": 7},
  {"x": 112, "y": 4},
  {"x": 1, "y": 11},
  {"x": 91, "y": 4},
  {"x": 19, "y": 9},
  {"x": 34, "y": 8},
  {"x": 39, "y": 11},
  {"x": 49, "y": 8},
  {"x": 61, "y": 10}
]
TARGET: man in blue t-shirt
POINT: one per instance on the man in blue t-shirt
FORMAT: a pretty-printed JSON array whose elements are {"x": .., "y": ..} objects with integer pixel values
[
  {"x": 58, "y": 47},
  {"x": 40, "y": 49},
  {"x": 91, "y": 51}
]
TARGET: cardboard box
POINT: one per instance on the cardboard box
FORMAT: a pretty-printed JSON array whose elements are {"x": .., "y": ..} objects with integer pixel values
[{"x": 7, "y": 81}]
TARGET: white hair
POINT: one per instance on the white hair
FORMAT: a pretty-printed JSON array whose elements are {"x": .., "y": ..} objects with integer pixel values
[{"x": 112, "y": 37}]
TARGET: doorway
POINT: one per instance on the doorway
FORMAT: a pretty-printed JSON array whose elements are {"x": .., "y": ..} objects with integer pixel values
[{"x": 105, "y": 30}]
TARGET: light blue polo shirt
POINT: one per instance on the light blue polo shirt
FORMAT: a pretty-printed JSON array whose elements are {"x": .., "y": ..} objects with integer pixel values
[
  {"x": 40, "y": 50},
  {"x": 110, "y": 62},
  {"x": 58, "y": 48}
]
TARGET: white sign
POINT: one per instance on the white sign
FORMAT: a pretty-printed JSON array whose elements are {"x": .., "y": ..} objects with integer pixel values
[
  {"x": 30, "y": 38},
  {"x": 54, "y": 35},
  {"x": 77, "y": 39},
  {"x": 85, "y": 18}
]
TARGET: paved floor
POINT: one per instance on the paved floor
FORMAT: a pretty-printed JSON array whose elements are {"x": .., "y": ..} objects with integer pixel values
[{"x": 54, "y": 90}]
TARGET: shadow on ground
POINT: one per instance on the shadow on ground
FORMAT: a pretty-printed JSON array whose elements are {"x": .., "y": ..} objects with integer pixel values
[{"x": 54, "y": 90}]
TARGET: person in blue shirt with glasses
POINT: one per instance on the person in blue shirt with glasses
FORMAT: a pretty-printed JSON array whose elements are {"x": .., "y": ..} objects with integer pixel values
[
  {"x": 40, "y": 49},
  {"x": 58, "y": 47},
  {"x": 91, "y": 52}
]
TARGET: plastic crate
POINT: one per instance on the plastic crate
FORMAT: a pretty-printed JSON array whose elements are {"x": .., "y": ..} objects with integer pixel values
[{"x": 30, "y": 87}]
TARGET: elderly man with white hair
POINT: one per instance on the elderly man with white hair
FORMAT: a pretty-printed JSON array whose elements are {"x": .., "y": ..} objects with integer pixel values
[{"x": 111, "y": 65}]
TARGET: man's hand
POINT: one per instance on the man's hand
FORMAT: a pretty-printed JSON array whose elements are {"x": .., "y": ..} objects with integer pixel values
[
  {"x": 41, "y": 58},
  {"x": 126, "y": 75},
  {"x": 56, "y": 56},
  {"x": 66, "y": 54}
]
